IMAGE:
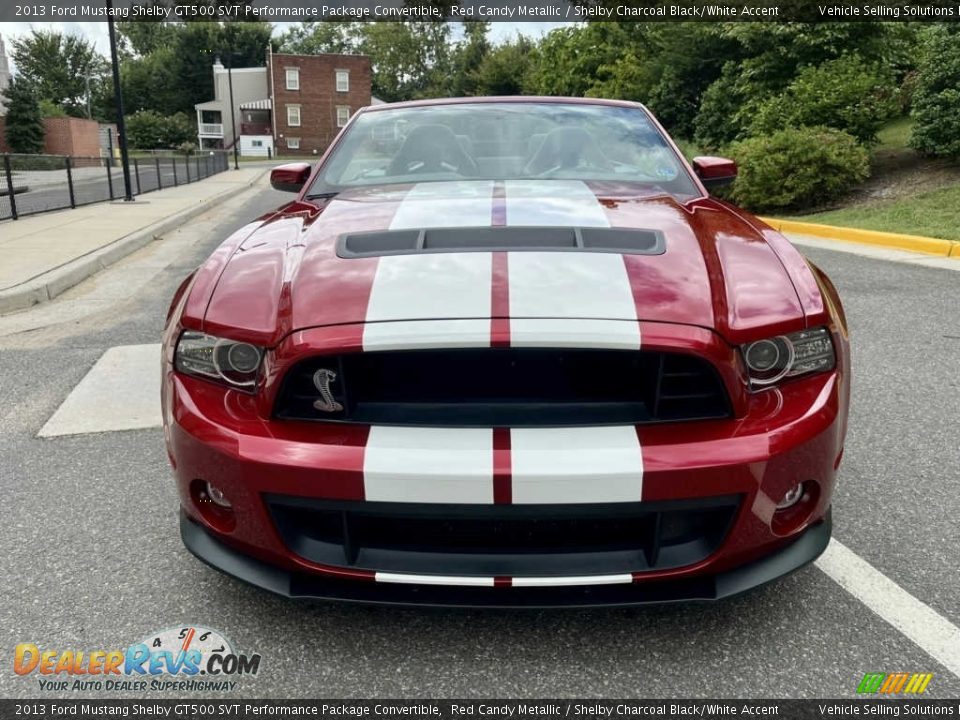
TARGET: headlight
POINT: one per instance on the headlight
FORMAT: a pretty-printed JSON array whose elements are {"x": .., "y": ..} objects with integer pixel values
[
  {"x": 235, "y": 363},
  {"x": 771, "y": 360}
]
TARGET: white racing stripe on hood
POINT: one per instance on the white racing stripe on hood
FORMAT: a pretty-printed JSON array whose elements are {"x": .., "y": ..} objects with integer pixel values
[
  {"x": 445, "y": 204},
  {"x": 568, "y": 203},
  {"x": 449, "y": 287},
  {"x": 570, "y": 299}
]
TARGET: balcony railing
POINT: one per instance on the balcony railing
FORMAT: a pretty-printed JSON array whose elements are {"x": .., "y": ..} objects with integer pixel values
[
  {"x": 255, "y": 129},
  {"x": 211, "y": 129}
]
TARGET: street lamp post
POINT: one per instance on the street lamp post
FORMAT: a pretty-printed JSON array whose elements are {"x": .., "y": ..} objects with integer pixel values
[
  {"x": 233, "y": 112},
  {"x": 118, "y": 102}
]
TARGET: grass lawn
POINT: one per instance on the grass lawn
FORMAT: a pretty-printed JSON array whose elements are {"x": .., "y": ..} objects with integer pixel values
[
  {"x": 932, "y": 214},
  {"x": 895, "y": 134}
]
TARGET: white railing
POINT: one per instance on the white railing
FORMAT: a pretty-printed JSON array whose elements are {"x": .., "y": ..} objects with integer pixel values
[{"x": 214, "y": 129}]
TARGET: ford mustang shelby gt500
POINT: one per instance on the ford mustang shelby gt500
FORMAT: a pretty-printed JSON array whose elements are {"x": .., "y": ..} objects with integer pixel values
[{"x": 506, "y": 351}]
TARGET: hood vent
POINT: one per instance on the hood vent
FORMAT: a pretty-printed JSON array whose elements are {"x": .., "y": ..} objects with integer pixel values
[{"x": 489, "y": 239}]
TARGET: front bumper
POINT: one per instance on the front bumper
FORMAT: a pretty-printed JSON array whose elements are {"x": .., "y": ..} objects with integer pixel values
[
  {"x": 784, "y": 436},
  {"x": 806, "y": 548}
]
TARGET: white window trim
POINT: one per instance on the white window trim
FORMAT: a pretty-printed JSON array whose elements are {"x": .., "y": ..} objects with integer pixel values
[
  {"x": 295, "y": 74},
  {"x": 290, "y": 121},
  {"x": 346, "y": 116},
  {"x": 345, "y": 74},
  {"x": 293, "y": 143}
]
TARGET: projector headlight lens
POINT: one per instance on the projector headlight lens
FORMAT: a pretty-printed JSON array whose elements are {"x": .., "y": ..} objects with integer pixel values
[
  {"x": 773, "y": 359},
  {"x": 235, "y": 363}
]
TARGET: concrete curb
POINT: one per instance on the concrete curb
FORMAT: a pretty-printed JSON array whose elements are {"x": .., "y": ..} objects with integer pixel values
[
  {"x": 56, "y": 281},
  {"x": 912, "y": 243}
]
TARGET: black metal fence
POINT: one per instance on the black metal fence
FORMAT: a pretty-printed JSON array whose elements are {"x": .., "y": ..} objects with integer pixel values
[{"x": 31, "y": 184}]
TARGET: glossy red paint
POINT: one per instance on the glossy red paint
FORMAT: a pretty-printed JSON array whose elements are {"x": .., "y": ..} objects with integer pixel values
[
  {"x": 725, "y": 279},
  {"x": 719, "y": 271},
  {"x": 713, "y": 168},
  {"x": 291, "y": 177}
]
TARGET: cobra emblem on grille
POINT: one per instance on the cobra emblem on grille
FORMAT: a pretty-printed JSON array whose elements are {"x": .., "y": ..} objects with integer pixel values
[{"x": 322, "y": 379}]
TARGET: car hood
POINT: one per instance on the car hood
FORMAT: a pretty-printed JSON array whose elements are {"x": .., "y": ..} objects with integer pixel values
[{"x": 717, "y": 269}]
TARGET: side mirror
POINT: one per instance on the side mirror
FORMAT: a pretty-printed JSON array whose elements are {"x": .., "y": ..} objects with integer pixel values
[
  {"x": 715, "y": 171},
  {"x": 290, "y": 178}
]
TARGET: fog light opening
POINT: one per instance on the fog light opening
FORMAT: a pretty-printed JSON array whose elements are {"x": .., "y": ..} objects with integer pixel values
[
  {"x": 791, "y": 498},
  {"x": 218, "y": 498},
  {"x": 213, "y": 506},
  {"x": 795, "y": 508}
]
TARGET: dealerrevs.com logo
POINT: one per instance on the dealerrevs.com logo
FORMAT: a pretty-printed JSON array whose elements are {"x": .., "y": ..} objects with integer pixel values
[{"x": 176, "y": 659}]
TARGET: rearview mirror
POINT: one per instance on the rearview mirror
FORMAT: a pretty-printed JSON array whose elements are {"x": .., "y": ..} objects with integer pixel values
[
  {"x": 715, "y": 171},
  {"x": 290, "y": 178}
]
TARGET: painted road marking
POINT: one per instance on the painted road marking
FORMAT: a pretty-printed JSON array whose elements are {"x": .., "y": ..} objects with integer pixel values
[
  {"x": 121, "y": 392},
  {"x": 930, "y": 631}
]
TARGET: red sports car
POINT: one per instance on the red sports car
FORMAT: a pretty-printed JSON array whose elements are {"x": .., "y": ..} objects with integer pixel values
[{"x": 506, "y": 351}]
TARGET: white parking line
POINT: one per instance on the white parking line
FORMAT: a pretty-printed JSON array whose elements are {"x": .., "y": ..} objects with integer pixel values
[
  {"x": 121, "y": 392},
  {"x": 930, "y": 631}
]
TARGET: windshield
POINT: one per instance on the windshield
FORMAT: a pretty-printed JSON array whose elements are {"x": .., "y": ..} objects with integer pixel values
[{"x": 504, "y": 141}]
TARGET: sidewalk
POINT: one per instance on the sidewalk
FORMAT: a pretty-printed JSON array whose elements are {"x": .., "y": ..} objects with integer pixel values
[{"x": 45, "y": 254}]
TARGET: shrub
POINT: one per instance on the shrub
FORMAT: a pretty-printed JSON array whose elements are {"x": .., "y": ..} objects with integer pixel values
[
  {"x": 846, "y": 93},
  {"x": 149, "y": 130},
  {"x": 936, "y": 97},
  {"x": 797, "y": 168},
  {"x": 49, "y": 109}
]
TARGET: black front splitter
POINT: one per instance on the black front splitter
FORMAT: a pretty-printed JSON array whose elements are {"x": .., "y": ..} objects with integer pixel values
[{"x": 701, "y": 588}]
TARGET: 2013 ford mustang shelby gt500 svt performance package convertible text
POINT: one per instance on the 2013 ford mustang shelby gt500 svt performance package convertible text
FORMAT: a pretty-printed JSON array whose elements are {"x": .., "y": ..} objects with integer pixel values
[{"x": 506, "y": 351}]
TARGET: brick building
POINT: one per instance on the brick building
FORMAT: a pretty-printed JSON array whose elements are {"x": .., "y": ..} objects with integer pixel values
[
  {"x": 314, "y": 96},
  {"x": 76, "y": 137},
  {"x": 295, "y": 105}
]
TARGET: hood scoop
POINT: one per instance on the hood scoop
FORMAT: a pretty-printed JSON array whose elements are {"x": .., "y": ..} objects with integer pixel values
[{"x": 627, "y": 241}]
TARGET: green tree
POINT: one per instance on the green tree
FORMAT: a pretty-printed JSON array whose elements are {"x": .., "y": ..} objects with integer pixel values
[
  {"x": 141, "y": 38},
  {"x": 936, "y": 99},
  {"x": 504, "y": 69},
  {"x": 766, "y": 57},
  {"x": 58, "y": 65},
  {"x": 570, "y": 60},
  {"x": 846, "y": 93},
  {"x": 24, "y": 122},
  {"x": 316, "y": 37},
  {"x": 467, "y": 58},
  {"x": 149, "y": 84},
  {"x": 409, "y": 60}
]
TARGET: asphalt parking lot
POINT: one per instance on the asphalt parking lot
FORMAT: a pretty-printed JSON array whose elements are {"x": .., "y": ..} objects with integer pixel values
[{"x": 93, "y": 559}]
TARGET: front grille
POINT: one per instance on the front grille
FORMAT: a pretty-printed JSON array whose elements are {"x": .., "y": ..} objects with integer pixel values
[
  {"x": 504, "y": 387},
  {"x": 513, "y": 540}
]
